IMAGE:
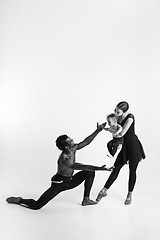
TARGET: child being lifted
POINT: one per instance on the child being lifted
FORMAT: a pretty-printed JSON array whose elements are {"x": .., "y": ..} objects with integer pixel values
[{"x": 115, "y": 145}]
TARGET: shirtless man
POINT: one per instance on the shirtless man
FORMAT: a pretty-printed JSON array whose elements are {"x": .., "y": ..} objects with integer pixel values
[{"x": 64, "y": 178}]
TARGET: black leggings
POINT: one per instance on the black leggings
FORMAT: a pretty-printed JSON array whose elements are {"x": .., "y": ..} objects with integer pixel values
[
  {"x": 56, "y": 188},
  {"x": 132, "y": 174}
]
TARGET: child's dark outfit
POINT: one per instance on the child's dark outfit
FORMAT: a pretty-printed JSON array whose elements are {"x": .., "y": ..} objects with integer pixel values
[{"x": 114, "y": 144}]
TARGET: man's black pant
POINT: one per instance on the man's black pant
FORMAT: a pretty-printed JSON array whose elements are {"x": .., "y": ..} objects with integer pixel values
[{"x": 60, "y": 184}]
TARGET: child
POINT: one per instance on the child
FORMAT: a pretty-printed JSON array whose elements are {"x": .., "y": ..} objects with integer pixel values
[{"x": 115, "y": 145}]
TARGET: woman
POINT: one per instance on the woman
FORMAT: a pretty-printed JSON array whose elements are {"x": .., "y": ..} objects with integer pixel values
[{"x": 132, "y": 152}]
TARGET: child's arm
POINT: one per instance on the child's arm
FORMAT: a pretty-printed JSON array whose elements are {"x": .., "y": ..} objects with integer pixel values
[
  {"x": 106, "y": 129},
  {"x": 111, "y": 130}
]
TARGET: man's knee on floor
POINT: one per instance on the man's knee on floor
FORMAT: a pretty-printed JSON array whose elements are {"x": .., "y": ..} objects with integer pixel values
[{"x": 36, "y": 207}]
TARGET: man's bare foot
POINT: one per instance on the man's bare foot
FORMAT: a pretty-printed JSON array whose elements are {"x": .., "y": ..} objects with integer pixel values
[
  {"x": 15, "y": 200},
  {"x": 87, "y": 201}
]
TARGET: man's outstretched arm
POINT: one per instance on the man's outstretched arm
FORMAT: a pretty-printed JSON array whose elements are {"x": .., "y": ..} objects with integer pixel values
[
  {"x": 90, "y": 138},
  {"x": 84, "y": 167}
]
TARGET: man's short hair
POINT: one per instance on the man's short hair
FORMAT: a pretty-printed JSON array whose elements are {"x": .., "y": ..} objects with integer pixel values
[{"x": 61, "y": 142}]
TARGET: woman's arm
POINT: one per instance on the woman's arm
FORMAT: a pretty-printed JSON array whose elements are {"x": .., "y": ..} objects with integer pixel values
[
  {"x": 125, "y": 128},
  {"x": 119, "y": 129}
]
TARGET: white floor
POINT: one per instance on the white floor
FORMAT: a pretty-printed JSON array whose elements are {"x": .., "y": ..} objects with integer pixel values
[{"x": 64, "y": 218}]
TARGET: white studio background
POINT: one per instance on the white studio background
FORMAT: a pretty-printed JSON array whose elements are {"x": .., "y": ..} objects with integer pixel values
[{"x": 64, "y": 65}]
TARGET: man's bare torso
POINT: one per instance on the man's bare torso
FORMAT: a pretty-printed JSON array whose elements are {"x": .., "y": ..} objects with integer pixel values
[{"x": 65, "y": 161}]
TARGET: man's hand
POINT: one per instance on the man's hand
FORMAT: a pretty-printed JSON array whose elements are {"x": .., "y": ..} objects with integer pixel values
[
  {"x": 101, "y": 126},
  {"x": 103, "y": 168},
  {"x": 111, "y": 168}
]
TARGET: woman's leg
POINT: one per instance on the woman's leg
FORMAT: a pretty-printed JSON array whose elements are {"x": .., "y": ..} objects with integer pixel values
[
  {"x": 132, "y": 176},
  {"x": 131, "y": 182},
  {"x": 113, "y": 176}
]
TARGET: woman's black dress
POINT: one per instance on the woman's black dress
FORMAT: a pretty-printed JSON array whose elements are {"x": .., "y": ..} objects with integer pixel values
[{"x": 132, "y": 150}]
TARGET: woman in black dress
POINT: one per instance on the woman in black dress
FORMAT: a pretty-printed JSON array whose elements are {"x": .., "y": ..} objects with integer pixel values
[{"x": 132, "y": 152}]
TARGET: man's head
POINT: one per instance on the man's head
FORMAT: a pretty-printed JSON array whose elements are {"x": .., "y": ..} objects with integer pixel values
[{"x": 63, "y": 142}]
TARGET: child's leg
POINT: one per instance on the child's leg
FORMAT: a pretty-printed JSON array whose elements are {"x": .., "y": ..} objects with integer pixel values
[{"x": 110, "y": 147}]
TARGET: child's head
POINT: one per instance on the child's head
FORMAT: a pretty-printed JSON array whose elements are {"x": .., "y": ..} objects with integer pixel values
[
  {"x": 121, "y": 108},
  {"x": 111, "y": 119}
]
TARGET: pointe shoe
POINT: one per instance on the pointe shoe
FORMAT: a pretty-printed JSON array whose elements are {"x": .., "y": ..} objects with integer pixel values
[
  {"x": 87, "y": 201},
  {"x": 15, "y": 200},
  {"x": 128, "y": 201},
  {"x": 101, "y": 195}
]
